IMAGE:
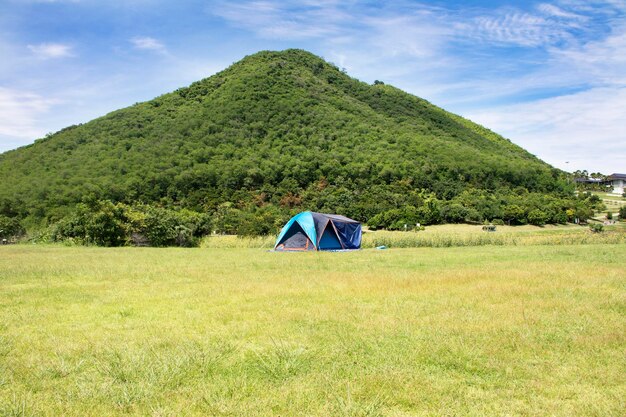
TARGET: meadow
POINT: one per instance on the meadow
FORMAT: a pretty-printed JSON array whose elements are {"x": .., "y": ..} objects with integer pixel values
[
  {"x": 612, "y": 202},
  {"x": 493, "y": 330},
  {"x": 454, "y": 235}
]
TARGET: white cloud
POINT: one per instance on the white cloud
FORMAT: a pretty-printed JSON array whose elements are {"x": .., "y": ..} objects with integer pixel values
[
  {"x": 148, "y": 43},
  {"x": 547, "y": 25},
  {"x": 556, "y": 11},
  {"x": 585, "y": 128},
  {"x": 51, "y": 50},
  {"x": 285, "y": 20},
  {"x": 19, "y": 113},
  {"x": 418, "y": 35},
  {"x": 598, "y": 62}
]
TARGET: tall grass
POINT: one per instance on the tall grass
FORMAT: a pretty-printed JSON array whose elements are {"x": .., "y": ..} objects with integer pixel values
[
  {"x": 444, "y": 239},
  {"x": 451, "y": 236},
  {"x": 236, "y": 242}
]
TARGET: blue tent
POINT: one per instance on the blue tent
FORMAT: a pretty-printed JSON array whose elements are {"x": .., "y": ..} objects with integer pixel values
[{"x": 318, "y": 231}]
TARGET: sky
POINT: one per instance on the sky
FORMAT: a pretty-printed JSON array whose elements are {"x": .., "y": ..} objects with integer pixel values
[{"x": 548, "y": 75}]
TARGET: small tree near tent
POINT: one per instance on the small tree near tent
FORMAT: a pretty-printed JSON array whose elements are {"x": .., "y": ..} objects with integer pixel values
[{"x": 10, "y": 227}]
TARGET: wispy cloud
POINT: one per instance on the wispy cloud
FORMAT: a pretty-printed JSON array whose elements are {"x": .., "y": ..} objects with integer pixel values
[
  {"x": 554, "y": 10},
  {"x": 546, "y": 24},
  {"x": 51, "y": 50},
  {"x": 513, "y": 27},
  {"x": 598, "y": 62},
  {"x": 296, "y": 20},
  {"x": 20, "y": 111},
  {"x": 585, "y": 128},
  {"x": 148, "y": 43}
]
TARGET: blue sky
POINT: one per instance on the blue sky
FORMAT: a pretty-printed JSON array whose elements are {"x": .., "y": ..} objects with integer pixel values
[{"x": 551, "y": 76}]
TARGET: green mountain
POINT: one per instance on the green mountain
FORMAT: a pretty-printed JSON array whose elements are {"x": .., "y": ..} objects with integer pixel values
[{"x": 285, "y": 130}]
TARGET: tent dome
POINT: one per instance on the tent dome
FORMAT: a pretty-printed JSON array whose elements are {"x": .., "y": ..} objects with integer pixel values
[{"x": 318, "y": 231}]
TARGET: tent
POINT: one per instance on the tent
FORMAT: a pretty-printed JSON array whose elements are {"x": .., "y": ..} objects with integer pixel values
[{"x": 318, "y": 231}]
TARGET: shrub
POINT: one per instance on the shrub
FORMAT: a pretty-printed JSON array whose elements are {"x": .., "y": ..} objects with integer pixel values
[
  {"x": 560, "y": 217},
  {"x": 622, "y": 212},
  {"x": 596, "y": 227},
  {"x": 100, "y": 223},
  {"x": 103, "y": 223},
  {"x": 454, "y": 213},
  {"x": 473, "y": 216},
  {"x": 10, "y": 227},
  {"x": 537, "y": 217},
  {"x": 164, "y": 227},
  {"x": 497, "y": 222},
  {"x": 583, "y": 213},
  {"x": 514, "y": 214},
  {"x": 609, "y": 215}
]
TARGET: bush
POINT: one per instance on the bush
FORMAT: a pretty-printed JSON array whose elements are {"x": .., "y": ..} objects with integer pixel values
[
  {"x": 473, "y": 216},
  {"x": 497, "y": 222},
  {"x": 583, "y": 213},
  {"x": 514, "y": 214},
  {"x": 454, "y": 213},
  {"x": 537, "y": 217},
  {"x": 10, "y": 227},
  {"x": 560, "y": 217},
  {"x": 596, "y": 227},
  {"x": 622, "y": 212},
  {"x": 165, "y": 227},
  {"x": 609, "y": 215},
  {"x": 103, "y": 223},
  {"x": 100, "y": 223}
]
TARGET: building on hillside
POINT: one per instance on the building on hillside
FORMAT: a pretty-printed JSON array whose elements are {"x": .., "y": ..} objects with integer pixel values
[
  {"x": 618, "y": 182},
  {"x": 584, "y": 180}
]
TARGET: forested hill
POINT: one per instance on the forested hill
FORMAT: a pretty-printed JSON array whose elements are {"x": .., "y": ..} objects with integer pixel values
[{"x": 284, "y": 130}]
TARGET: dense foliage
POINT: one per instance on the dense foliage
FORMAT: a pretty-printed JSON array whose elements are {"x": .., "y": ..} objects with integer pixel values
[
  {"x": 107, "y": 224},
  {"x": 10, "y": 227},
  {"x": 276, "y": 133},
  {"x": 477, "y": 206},
  {"x": 595, "y": 181}
]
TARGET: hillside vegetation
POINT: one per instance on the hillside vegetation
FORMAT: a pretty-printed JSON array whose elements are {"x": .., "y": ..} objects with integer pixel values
[{"x": 279, "y": 132}]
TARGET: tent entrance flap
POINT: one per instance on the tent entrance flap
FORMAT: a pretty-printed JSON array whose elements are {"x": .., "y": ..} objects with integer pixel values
[
  {"x": 329, "y": 239},
  {"x": 295, "y": 239},
  {"x": 349, "y": 234}
]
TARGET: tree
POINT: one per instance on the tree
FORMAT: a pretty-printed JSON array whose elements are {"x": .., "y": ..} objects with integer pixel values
[
  {"x": 100, "y": 223},
  {"x": 514, "y": 214},
  {"x": 10, "y": 227},
  {"x": 537, "y": 217},
  {"x": 454, "y": 213}
]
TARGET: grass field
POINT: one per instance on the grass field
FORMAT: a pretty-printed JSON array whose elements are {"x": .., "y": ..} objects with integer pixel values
[
  {"x": 613, "y": 202},
  {"x": 488, "y": 330},
  {"x": 451, "y": 235}
]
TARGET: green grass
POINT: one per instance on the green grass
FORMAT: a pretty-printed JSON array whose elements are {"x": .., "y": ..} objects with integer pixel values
[
  {"x": 489, "y": 330},
  {"x": 613, "y": 202},
  {"x": 452, "y": 235},
  {"x": 610, "y": 196}
]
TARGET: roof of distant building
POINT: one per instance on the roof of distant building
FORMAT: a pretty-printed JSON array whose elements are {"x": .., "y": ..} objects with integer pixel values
[{"x": 616, "y": 177}]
